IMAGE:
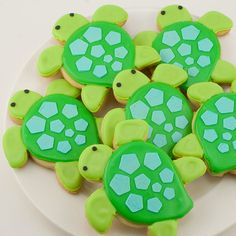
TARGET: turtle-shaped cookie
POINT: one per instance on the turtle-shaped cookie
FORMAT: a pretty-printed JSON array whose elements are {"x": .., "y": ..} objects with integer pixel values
[
  {"x": 141, "y": 184},
  {"x": 192, "y": 45},
  {"x": 158, "y": 102},
  {"x": 54, "y": 130},
  {"x": 94, "y": 52},
  {"x": 214, "y": 128}
]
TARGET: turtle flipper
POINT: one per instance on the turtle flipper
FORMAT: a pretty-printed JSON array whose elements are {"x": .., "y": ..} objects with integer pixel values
[
  {"x": 68, "y": 175},
  {"x": 111, "y": 13},
  {"x": 145, "y": 38},
  {"x": 146, "y": 56},
  {"x": 190, "y": 168},
  {"x": 50, "y": 61},
  {"x": 93, "y": 96},
  {"x": 14, "y": 147},
  {"x": 224, "y": 72},
  {"x": 218, "y": 22},
  {"x": 99, "y": 211},
  {"x": 163, "y": 228}
]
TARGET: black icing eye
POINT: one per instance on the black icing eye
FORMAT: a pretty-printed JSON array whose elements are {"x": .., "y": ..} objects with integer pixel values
[
  {"x": 118, "y": 85},
  {"x": 85, "y": 168},
  {"x": 72, "y": 14},
  {"x": 163, "y": 12},
  {"x": 133, "y": 71},
  {"x": 13, "y": 104},
  {"x": 180, "y": 7},
  {"x": 94, "y": 148},
  {"x": 26, "y": 91},
  {"x": 57, "y": 27}
]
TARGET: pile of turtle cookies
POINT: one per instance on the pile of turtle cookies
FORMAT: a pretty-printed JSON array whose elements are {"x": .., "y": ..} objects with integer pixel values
[{"x": 172, "y": 120}]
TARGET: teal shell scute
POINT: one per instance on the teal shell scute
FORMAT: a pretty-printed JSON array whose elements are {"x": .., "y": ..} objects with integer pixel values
[
  {"x": 143, "y": 185},
  {"x": 191, "y": 46},
  {"x": 165, "y": 109},
  {"x": 58, "y": 128},
  {"x": 96, "y": 52},
  {"x": 215, "y": 127}
]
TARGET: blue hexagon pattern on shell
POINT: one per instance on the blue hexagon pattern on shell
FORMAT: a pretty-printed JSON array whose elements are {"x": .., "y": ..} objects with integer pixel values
[
  {"x": 121, "y": 52},
  {"x": 184, "y": 49},
  {"x": 142, "y": 182},
  {"x": 167, "y": 55},
  {"x": 120, "y": 184},
  {"x": 190, "y": 32},
  {"x": 223, "y": 147},
  {"x": 139, "y": 110},
  {"x": 36, "y": 124},
  {"x": 205, "y": 45},
  {"x": 70, "y": 111},
  {"x": 209, "y": 118},
  {"x": 229, "y": 123},
  {"x": 154, "y": 97},
  {"x": 93, "y": 34},
  {"x": 63, "y": 147},
  {"x": 174, "y": 104},
  {"x": 160, "y": 140},
  {"x": 134, "y": 202},
  {"x": 166, "y": 175},
  {"x": 204, "y": 61},
  {"x": 97, "y": 51},
  {"x": 129, "y": 163},
  {"x": 227, "y": 136},
  {"x": 181, "y": 122},
  {"x": 56, "y": 126},
  {"x": 169, "y": 193},
  {"x": 78, "y": 47},
  {"x": 84, "y": 64},
  {"x": 69, "y": 133},
  {"x": 48, "y": 109},
  {"x": 152, "y": 160},
  {"x": 81, "y": 125},
  {"x": 210, "y": 135},
  {"x": 154, "y": 205},
  {"x": 156, "y": 187},
  {"x": 170, "y": 38},
  {"x": 224, "y": 105},
  {"x": 158, "y": 117},
  {"x": 176, "y": 136},
  {"x": 45, "y": 142},
  {"x": 80, "y": 139},
  {"x": 113, "y": 38},
  {"x": 100, "y": 71}
]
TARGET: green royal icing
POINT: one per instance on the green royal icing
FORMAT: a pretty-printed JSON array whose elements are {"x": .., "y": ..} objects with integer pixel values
[
  {"x": 143, "y": 185},
  {"x": 95, "y": 53},
  {"x": 191, "y": 46},
  {"x": 58, "y": 128},
  {"x": 215, "y": 128},
  {"x": 166, "y": 111}
]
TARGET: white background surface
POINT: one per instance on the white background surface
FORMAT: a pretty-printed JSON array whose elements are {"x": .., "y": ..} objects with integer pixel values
[{"x": 24, "y": 26}]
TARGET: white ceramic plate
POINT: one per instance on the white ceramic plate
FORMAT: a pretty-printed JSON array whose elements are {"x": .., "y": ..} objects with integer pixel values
[{"x": 214, "y": 197}]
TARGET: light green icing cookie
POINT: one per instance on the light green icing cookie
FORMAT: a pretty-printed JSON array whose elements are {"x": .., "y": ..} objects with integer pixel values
[
  {"x": 164, "y": 228},
  {"x": 67, "y": 25},
  {"x": 50, "y": 61},
  {"x": 17, "y": 158},
  {"x": 145, "y": 38},
  {"x": 233, "y": 87},
  {"x": 111, "y": 13},
  {"x": 61, "y": 86},
  {"x": 109, "y": 122}
]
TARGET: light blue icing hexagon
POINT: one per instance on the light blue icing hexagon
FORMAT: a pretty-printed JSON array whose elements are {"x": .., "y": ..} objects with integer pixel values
[
  {"x": 150, "y": 130},
  {"x": 121, "y": 52},
  {"x": 48, "y": 109},
  {"x": 223, "y": 147},
  {"x": 209, "y": 118},
  {"x": 154, "y": 204},
  {"x": 45, "y": 142},
  {"x": 158, "y": 117},
  {"x": 160, "y": 140},
  {"x": 129, "y": 163},
  {"x": 107, "y": 58},
  {"x": 229, "y": 123},
  {"x": 225, "y": 105},
  {"x": 169, "y": 193},
  {"x": 84, "y": 64},
  {"x": 100, "y": 71},
  {"x": 168, "y": 127},
  {"x": 142, "y": 182},
  {"x": 63, "y": 147},
  {"x": 234, "y": 144},
  {"x": 69, "y": 133},
  {"x": 134, "y": 202},
  {"x": 56, "y": 126},
  {"x": 36, "y": 124},
  {"x": 81, "y": 125},
  {"x": 154, "y": 97},
  {"x": 179, "y": 65},
  {"x": 205, "y": 45},
  {"x": 113, "y": 38},
  {"x": 210, "y": 135},
  {"x": 120, "y": 184},
  {"x": 167, "y": 55},
  {"x": 176, "y": 136},
  {"x": 78, "y": 47},
  {"x": 189, "y": 61},
  {"x": 80, "y": 139},
  {"x": 116, "y": 66},
  {"x": 70, "y": 111},
  {"x": 156, "y": 187},
  {"x": 204, "y": 61},
  {"x": 227, "y": 136},
  {"x": 184, "y": 49},
  {"x": 170, "y": 38},
  {"x": 190, "y": 32},
  {"x": 97, "y": 51},
  {"x": 139, "y": 110},
  {"x": 181, "y": 122},
  {"x": 152, "y": 160},
  {"x": 166, "y": 175},
  {"x": 93, "y": 34},
  {"x": 193, "y": 71},
  {"x": 175, "y": 104}
]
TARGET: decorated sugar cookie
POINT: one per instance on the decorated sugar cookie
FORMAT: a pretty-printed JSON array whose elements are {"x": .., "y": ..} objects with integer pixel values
[
  {"x": 54, "y": 130},
  {"x": 192, "y": 45},
  {"x": 214, "y": 129},
  {"x": 141, "y": 185},
  {"x": 94, "y": 52},
  {"x": 160, "y": 104}
]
